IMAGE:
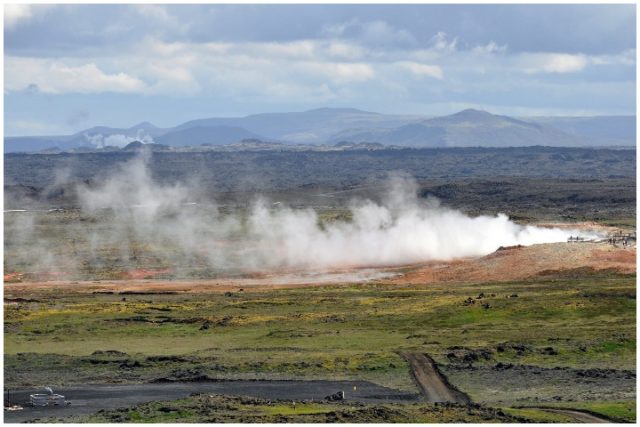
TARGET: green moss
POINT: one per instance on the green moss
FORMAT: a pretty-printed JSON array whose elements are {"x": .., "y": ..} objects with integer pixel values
[
  {"x": 333, "y": 332},
  {"x": 538, "y": 415}
]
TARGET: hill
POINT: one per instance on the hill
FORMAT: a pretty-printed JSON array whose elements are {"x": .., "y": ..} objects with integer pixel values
[
  {"x": 335, "y": 125},
  {"x": 198, "y": 135},
  {"x": 468, "y": 128}
]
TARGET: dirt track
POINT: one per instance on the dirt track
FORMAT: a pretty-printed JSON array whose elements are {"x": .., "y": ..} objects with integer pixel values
[
  {"x": 580, "y": 416},
  {"x": 433, "y": 384}
]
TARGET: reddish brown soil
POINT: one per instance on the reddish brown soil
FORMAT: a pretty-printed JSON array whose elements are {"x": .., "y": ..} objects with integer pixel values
[
  {"x": 145, "y": 273},
  {"x": 13, "y": 277},
  {"x": 150, "y": 286},
  {"x": 506, "y": 264},
  {"x": 517, "y": 263}
]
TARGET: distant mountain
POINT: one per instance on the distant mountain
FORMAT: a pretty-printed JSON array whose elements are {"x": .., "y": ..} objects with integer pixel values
[
  {"x": 97, "y": 136},
  {"x": 468, "y": 128},
  {"x": 212, "y": 135},
  {"x": 352, "y": 126},
  {"x": 137, "y": 146},
  {"x": 30, "y": 144},
  {"x": 609, "y": 130},
  {"x": 307, "y": 127}
]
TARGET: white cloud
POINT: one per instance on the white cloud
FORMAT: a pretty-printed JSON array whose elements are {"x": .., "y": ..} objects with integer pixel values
[
  {"x": 627, "y": 57},
  {"x": 378, "y": 33},
  {"x": 162, "y": 19},
  {"x": 340, "y": 72},
  {"x": 345, "y": 50},
  {"x": 417, "y": 69},
  {"x": 56, "y": 77},
  {"x": 14, "y": 13},
  {"x": 320, "y": 69},
  {"x": 442, "y": 43},
  {"x": 553, "y": 62},
  {"x": 491, "y": 47}
]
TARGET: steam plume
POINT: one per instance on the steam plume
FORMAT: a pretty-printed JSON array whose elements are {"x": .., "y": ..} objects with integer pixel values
[{"x": 399, "y": 230}]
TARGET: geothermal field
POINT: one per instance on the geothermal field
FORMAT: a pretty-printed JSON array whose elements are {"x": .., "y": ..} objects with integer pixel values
[
  {"x": 144, "y": 289},
  {"x": 319, "y": 213}
]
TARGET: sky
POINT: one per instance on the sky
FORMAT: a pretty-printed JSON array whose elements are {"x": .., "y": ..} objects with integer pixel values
[{"x": 69, "y": 67}]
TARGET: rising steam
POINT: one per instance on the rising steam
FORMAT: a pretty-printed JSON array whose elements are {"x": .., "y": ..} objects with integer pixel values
[{"x": 399, "y": 230}]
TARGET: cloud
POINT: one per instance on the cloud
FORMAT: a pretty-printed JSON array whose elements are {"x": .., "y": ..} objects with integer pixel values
[
  {"x": 441, "y": 42},
  {"x": 15, "y": 13},
  {"x": 560, "y": 63},
  {"x": 377, "y": 33},
  {"x": 491, "y": 47},
  {"x": 626, "y": 58},
  {"x": 55, "y": 77},
  {"x": 345, "y": 50},
  {"x": 355, "y": 58},
  {"x": 421, "y": 70},
  {"x": 162, "y": 19},
  {"x": 340, "y": 72}
]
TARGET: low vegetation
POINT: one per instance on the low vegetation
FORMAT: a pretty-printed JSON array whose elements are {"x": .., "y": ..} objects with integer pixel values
[{"x": 558, "y": 341}]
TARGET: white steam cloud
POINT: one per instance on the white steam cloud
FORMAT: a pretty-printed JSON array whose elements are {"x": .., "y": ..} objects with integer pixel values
[
  {"x": 117, "y": 140},
  {"x": 399, "y": 230}
]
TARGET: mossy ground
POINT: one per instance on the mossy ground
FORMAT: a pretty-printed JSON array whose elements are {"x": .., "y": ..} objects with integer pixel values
[{"x": 338, "y": 332}]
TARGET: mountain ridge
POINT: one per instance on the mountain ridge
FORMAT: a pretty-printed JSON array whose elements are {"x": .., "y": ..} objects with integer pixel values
[{"x": 469, "y": 127}]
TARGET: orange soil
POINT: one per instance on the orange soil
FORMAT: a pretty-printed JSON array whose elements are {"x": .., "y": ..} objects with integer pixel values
[
  {"x": 513, "y": 263},
  {"x": 526, "y": 262},
  {"x": 144, "y": 273},
  {"x": 10, "y": 277}
]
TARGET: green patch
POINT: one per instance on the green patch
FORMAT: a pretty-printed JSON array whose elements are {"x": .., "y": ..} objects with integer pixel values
[
  {"x": 297, "y": 409},
  {"x": 538, "y": 415},
  {"x": 346, "y": 332}
]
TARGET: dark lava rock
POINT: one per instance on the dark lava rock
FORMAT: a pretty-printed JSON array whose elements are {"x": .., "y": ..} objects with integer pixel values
[
  {"x": 225, "y": 321},
  {"x": 503, "y": 366},
  {"x": 167, "y": 359},
  {"x": 206, "y": 325},
  {"x": 335, "y": 397},
  {"x": 130, "y": 364},
  {"x": 115, "y": 353},
  {"x": 458, "y": 354}
]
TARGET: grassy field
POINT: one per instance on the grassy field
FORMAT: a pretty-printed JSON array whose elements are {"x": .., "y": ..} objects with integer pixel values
[
  {"x": 523, "y": 343},
  {"x": 220, "y": 409}
]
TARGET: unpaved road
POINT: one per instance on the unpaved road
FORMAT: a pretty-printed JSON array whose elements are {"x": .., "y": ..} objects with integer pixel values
[
  {"x": 90, "y": 399},
  {"x": 434, "y": 385},
  {"x": 579, "y": 416}
]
